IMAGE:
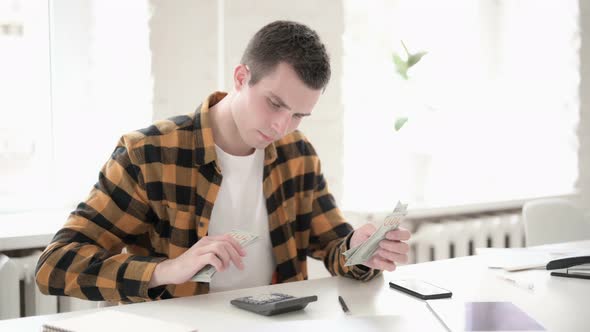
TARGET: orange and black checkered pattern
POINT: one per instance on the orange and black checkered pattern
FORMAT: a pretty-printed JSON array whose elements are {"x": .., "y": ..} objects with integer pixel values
[{"x": 154, "y": 199}]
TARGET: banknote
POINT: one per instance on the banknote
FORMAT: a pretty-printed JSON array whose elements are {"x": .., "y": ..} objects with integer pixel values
[
  {"x": 244, "y": 239},
  {"x": 363, "y": 252}
]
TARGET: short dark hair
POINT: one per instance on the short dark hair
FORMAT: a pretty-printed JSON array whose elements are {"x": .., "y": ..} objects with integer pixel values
[{"x": 292, "y": 43}]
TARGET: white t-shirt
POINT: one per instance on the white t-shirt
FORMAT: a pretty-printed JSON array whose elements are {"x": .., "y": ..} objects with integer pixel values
[{"x": 240, "y": 204}]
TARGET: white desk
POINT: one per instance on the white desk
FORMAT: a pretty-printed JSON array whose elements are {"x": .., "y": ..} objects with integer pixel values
[
  {"x": 559, "y": 304},
  {"x": 30, "y": 230}
]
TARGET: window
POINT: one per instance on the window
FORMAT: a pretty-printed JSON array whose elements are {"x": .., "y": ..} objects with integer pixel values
[
  {"x": 492, "y": 107},
  {"x": 78, "y": 76}
]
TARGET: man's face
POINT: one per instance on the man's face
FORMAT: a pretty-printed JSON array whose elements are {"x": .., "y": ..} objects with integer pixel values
[{"x": 271, "y": 108}]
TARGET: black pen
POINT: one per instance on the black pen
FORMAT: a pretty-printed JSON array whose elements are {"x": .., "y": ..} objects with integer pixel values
[{"x": 343, "y": 304}]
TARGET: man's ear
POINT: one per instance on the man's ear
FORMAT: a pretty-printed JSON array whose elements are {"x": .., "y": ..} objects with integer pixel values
[{"x": 241, "y": 76}]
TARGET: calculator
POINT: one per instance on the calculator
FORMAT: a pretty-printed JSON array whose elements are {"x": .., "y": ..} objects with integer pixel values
[{"x": 273, "y": 303}]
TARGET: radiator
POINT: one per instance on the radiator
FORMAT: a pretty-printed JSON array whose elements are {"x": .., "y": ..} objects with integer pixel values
[
  {"x": 449, "y": 238},
  {"x": 444, "y": 237},
  {"x": 21, "y": 296},
  {"x": 9, "y": 281}
]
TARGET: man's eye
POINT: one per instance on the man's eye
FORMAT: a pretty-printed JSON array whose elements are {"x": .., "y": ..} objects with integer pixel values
[
  {"x": 273, "y": 104},
  {"x": 298, "y": 116}
]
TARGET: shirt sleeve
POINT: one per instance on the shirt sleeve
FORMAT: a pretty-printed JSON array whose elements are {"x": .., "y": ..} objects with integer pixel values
[
  {"x": 85, "y": 258},
  {"x": 330, "y": 235}
]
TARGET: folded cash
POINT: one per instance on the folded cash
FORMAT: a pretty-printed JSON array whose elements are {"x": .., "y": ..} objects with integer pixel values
[
  {"x": 244, "y": 239},
  {"x": 362, "y": 253}
]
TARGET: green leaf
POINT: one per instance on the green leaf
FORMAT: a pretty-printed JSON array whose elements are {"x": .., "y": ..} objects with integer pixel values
[
  {"x": 399, "y": 123},
  {"x": 414, "y": 58},
  {"x": 401, "y": 66}
]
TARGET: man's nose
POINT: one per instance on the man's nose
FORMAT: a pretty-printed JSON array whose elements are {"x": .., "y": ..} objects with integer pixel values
[{"x": 281, "y": 123}]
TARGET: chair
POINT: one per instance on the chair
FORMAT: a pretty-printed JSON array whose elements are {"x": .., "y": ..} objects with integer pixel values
[{"x": 553, "y": 220}]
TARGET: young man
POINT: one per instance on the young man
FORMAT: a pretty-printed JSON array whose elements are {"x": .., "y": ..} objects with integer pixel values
[{"x": 171, "y": 191}]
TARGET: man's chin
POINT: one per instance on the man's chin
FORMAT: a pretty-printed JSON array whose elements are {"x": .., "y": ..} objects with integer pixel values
[{"x": 261, "y": 145}]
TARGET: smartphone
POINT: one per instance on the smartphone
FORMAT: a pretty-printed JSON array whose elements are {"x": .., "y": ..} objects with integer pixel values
[{"x": 420, "y": 289}]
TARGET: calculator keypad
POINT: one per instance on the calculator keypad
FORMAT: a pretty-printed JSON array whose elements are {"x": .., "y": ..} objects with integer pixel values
[{"x": 265, "y": 298}]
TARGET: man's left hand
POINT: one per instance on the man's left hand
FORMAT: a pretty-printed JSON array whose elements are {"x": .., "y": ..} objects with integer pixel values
[{"x": 392, "y": 250}]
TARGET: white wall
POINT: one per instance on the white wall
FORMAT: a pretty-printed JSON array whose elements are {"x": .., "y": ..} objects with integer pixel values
[{"x": 183, "y": 41}]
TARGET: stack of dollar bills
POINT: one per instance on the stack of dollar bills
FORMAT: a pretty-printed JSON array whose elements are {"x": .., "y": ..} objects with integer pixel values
[
  {"x": 244, "y": 239},
  {"x": 362, "y": 253}
]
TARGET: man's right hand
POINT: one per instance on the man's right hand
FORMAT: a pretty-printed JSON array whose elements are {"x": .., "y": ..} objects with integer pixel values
[{"x": 217, "y": 250}]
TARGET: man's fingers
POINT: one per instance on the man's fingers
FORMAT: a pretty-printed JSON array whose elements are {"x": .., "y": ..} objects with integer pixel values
[
  {"x": 226, "y": 238},
  {"x": 221, "y": 252},
  {"x": 237, "y": 246},
  {"x": 392, "y": 256},
  {"x": 217, "y": 248},
  {"x": 235, "y": 256},
  {"x": 233, "y": 242},
  {"x": 400, "y": 234},
  {"x": 225, "y": 252},
  {"x": 394, "y": 246},
  {"x": 377, "y": 262},
  {"x": 213, "y": 259}
]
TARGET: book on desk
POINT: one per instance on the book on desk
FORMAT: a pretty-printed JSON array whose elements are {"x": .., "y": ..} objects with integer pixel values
[{"x": 112, "y": 321}]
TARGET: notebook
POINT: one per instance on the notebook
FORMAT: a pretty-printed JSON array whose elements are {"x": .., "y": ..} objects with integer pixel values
[
  {"x": 517, "y": 259},
  {"x": 456, "y": 315},
  {"x": 112, "y": 321}
]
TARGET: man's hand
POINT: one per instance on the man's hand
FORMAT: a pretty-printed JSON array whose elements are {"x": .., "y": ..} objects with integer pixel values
[
  {"x": 391, "y": 250},
  {"x": 219, "y": 251}
]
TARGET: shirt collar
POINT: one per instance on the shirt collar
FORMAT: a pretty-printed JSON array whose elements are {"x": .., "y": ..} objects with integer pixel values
[{"x": 204, "y": 143}]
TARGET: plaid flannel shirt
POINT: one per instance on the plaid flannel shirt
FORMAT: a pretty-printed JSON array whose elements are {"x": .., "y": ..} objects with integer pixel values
[{"x": 154, "y": 197}]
